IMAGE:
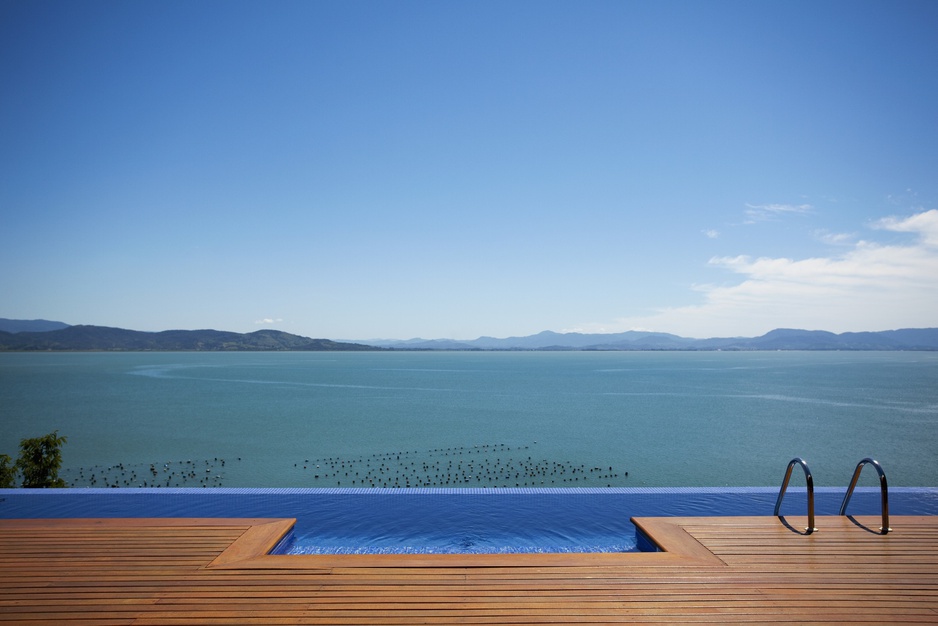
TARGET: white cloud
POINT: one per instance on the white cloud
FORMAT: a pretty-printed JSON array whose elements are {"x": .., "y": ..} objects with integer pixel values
[
  {"x": 925, "y": 224},
  {"x": 868, "y": 286},
  {"x": 766, "y": 212},
  {"x": 267, "y": 320},
  {"x": 712, "y": 233},
  {"x": 836, "y": 239}
]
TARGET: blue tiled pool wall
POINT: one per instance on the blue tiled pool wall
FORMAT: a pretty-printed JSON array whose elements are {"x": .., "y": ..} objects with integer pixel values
[
  {"x": 296, "y": 502},
  {"x": 644, "y": 544}
]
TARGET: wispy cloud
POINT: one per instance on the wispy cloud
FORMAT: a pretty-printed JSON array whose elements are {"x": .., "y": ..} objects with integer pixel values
[
  {"x": 768, "y": 212},
  {"x": 836, "y": 239},
  {"x": 712, "y": 233},
  {"x": 267, "y": 321},
  {"x": 924, "y": 224},
  {"x": 866, "y": 286}
]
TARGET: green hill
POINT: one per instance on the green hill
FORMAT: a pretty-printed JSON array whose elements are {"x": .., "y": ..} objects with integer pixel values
[{"x": 102, "y": 338}]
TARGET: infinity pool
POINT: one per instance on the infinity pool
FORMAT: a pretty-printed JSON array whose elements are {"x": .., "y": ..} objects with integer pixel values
[{"x": 350, "y": 521}]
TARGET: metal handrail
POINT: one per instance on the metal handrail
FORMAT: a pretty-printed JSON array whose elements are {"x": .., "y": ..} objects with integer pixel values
[
  {"x": 883, "y": 490},
  {"x": 810, "y": 483}
]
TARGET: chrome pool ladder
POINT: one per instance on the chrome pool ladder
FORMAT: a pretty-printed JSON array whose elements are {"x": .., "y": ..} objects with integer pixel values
[
  {"x": 809, "y": 481},
  {"x": 883, "y": 491}
]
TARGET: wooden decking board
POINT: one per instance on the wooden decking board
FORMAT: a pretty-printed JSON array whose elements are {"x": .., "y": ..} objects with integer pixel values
[{"x": 713, "y": 570}]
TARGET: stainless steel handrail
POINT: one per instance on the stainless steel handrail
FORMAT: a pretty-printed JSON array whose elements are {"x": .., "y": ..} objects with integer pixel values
[
  {"x": 883, "y": 490},
  {"x": 810, "y": 483}
]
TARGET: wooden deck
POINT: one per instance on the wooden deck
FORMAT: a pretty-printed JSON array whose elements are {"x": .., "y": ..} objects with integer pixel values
[{"x": 714, "y": 570}]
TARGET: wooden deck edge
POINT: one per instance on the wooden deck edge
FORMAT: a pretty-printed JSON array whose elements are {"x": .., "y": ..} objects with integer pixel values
[
  {"x": 255, "y": 542},
  {"x": 678, "y": 548},
  {"x": 332, "y": 562},
  {"x": 671, "y": 538}
]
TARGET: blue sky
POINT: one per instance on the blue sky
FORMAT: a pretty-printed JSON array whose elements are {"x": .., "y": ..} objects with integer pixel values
[{"x": 360, "y": 169}]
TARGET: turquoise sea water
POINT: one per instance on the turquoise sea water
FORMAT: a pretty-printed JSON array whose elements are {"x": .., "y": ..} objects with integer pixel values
[{"x": 466, "y": 419}]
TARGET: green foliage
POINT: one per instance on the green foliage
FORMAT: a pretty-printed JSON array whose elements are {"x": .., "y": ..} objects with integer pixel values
[
  {"x": 40, "y": 460},
  {"x": 7, "y": 471}
]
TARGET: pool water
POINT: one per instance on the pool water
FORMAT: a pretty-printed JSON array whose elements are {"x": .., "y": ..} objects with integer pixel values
[
  {"x": 350, "y": 521},
  {"x": 469, "y": 523}
]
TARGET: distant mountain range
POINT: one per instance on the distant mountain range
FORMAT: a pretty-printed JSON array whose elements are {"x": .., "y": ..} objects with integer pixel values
[
  {"x": 780, "y": 339},
  {"x": 29, "y": 326},
  {"x": 35, "y": 335},
  {"x": 77, "y": 338}
]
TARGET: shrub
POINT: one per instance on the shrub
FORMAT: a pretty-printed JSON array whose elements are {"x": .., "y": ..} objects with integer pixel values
[
  {"x": 40, "y": 460},
  {"x": 7, "y": 471}
]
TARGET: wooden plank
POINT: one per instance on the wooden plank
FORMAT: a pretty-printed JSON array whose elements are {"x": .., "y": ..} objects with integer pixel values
[
  {"x": 712, "y": 570},
  {"x": 257, "y": 540}
]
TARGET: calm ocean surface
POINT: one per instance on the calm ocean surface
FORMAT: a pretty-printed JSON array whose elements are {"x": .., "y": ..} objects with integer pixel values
[{"x": 467, "y": 419}]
